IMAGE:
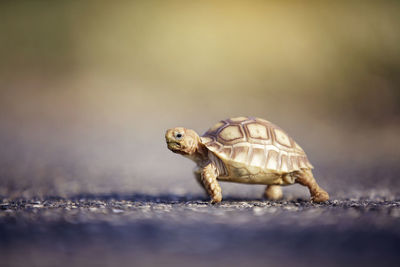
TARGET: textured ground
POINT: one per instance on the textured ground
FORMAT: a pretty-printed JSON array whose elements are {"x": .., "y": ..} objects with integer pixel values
[
  {"x": 88, "y": 89},
  {"x": 115, "y": 230}
]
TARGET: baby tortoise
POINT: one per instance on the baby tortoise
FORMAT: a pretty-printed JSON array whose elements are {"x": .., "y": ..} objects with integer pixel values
[{"x": 245, "y": 150}]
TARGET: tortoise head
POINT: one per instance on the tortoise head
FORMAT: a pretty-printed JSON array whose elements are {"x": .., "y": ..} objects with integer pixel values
[{"x": 181, "y": 140}]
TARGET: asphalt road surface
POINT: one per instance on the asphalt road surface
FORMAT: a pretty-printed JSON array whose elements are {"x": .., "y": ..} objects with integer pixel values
[{"x": 170, "y": 230}]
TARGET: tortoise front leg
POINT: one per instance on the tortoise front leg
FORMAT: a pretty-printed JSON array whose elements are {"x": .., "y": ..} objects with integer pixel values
[
  {"x": 306, "y": 178},
  {"x": 209, "y": 176}
]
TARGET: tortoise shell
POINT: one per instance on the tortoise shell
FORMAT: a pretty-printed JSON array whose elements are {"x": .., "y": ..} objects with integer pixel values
[{"x": 256, "y": 145}]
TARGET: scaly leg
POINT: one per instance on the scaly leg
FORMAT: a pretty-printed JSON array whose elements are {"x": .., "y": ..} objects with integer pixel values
[
  {"x": 209, "y": 176},
  {"x": 306, "y": 178},
  {"x": 273, "y": 192}
]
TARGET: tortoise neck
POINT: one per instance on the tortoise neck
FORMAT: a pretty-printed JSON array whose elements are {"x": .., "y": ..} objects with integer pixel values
[
  {"x": 201, "y": 150},
  {"x": 199, "y": 153}
]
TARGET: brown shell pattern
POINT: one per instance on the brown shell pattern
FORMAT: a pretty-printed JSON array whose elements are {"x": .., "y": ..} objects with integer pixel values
[{"x": 255, "y": 143}]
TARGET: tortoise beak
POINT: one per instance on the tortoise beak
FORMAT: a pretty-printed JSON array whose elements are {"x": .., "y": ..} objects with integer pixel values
[
  {"x": 169, "y": 135},
  {"x": 174, "y": 146}
]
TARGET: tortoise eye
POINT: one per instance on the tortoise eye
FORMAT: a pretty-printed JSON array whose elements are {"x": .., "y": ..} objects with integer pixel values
[{"x": 178, "y": 136}]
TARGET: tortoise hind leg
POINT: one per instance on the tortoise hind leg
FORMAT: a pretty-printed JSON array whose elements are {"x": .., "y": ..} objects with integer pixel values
[
  {"x": 306, "y": 178},
  {"x": 273, "y": 192}
]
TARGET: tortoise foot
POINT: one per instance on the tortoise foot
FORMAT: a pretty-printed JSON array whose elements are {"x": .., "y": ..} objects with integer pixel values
[
  {"x": 320, "y": 196},
  {"x": 216, "y": 198},
  {"x": 273, "y": 192},
  {"x": 215, "y": 201}
]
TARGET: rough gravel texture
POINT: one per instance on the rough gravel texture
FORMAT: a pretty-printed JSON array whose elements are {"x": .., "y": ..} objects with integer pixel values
[{"x": 142, "y": 230}]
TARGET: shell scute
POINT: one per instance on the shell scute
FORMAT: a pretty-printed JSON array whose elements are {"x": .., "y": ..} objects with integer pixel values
[
  {"x": 258, "y": 157},
  {"x": 282, "y": 138},
  {"x": 226, "y": 151},
  {"x": 272, "y": 160},
  {"x": 206, "y": 140},
  {"x": 297, "y": 147},
  {"x": 215, "y": 129},
  {"x": 231, "y": 133},
  {"x": 257, "y": 131},
  {"x": 214, "y": 146},
  {"x": 295, "y": 162},
  {"x": 284, "y": 163},
  {"x": 240, "y": 153}
]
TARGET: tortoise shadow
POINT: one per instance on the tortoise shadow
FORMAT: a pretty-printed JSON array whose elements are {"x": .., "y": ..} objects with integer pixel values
[{"x": 163, "y": 198}]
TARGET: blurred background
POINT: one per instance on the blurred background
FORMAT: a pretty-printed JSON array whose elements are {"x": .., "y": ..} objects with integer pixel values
[{"x": 87, "y": 90}]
